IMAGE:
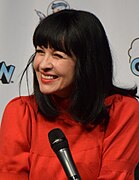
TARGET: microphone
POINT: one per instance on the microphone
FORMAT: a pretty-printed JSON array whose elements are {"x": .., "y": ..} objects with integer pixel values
[{"x": 60, "y": 146}]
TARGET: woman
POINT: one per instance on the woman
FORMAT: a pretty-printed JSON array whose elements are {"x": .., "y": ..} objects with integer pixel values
[{"x": 73, "y": 91}]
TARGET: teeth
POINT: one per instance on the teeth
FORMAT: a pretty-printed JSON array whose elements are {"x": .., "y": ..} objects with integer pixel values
[{"x": 48, "y": 77}]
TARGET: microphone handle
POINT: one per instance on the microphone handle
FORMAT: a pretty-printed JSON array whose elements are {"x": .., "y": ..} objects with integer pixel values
[{"x": 65, "y": 157}]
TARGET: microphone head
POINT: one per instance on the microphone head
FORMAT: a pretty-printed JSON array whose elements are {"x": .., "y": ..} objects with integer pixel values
[{"x": 57, "y": 140}]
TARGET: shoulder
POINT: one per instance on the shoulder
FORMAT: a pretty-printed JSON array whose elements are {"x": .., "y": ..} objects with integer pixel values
[
  {"x": 124, "y": 112},
  {"x": 20, "y": 106},
  {"x": 22, "y": 101},
  {"x": 19, "y": 114},
  {"x": 118, "y": 101}
]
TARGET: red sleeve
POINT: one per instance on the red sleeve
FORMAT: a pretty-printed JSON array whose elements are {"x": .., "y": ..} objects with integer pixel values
[
  {"x": 15, "y": 141},
  {"x": 121, "y": 143}
]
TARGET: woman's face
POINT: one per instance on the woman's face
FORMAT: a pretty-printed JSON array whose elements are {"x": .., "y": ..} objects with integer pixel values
[{"x": 55, "y": 71}]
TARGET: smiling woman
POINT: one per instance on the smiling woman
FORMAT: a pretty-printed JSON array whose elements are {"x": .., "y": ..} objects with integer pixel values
[{"x": 73, "y": 91}]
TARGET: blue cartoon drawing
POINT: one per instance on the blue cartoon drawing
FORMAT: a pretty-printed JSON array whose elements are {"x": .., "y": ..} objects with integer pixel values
[
  {"x": 53, "y": 7},
  {"x": 58, "y": 6},
  {"x": 133, "y": 53}
]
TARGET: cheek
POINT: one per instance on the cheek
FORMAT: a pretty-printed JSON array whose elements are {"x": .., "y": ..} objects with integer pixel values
[
  {"x": 35, "y": 64},
  {"x": 72, "y": 68},
  {"x": 71, "y": 72}
]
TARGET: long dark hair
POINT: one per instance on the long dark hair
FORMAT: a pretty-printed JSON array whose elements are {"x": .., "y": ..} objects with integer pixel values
[{"x": 81, "y": 34}]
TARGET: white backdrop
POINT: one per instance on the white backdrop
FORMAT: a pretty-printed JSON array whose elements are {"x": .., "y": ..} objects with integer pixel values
[{"x": 18, "y": 20}]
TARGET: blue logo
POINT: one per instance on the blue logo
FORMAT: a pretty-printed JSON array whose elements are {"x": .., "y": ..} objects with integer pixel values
[{"x": 6, "y": 72}]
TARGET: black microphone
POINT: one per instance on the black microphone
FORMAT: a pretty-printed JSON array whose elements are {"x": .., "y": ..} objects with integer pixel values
[{"x": 60, "y": 146}]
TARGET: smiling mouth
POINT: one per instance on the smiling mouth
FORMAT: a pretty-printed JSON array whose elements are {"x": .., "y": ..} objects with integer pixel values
[{"x": 49, "y": 76}]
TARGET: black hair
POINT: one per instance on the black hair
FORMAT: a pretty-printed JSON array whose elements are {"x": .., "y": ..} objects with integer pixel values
[{"x": 80, "y": 34}]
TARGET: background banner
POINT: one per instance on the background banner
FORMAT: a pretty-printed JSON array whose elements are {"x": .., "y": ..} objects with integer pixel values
[{"x": 18, "y": 20}]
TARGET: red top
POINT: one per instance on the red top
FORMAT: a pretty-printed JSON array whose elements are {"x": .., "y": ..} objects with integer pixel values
[{"x": 25, "y": 152}]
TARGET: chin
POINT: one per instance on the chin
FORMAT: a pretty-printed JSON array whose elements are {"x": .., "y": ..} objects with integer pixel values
[{"x": 44, "y": 91}]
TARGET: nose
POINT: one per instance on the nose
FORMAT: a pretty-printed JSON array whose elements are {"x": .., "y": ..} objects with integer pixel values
[{"x": 46, "y": 62}]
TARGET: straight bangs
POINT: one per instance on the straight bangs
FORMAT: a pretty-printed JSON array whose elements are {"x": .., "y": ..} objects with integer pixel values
[{"x": 53, "y": 33}]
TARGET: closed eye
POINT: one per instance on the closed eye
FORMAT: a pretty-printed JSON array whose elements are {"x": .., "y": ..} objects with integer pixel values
[
  {"x": 56, "y": 55},
  {"x": 39, "y": 51}
]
